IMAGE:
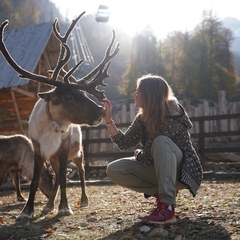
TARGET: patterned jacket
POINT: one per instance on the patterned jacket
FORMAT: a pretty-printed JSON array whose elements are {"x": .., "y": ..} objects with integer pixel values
[{"x": 177, "y": 129}]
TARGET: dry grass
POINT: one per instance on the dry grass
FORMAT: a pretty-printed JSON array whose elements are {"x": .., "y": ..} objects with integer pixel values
[{"x": 115, "y": 212}]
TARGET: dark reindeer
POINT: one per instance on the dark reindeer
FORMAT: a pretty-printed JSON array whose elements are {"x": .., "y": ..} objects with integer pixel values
[
  {"x": 54, "y": 125},
  {"x": 16, "y": 157}
]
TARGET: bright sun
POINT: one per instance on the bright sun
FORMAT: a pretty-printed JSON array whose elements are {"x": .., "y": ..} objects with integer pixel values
[{"x": 131, "y": 16}]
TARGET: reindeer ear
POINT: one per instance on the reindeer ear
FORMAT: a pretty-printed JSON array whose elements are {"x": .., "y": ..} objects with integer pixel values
[
  {"x": 48, "y": 96},
  {"x": 45, "y": 96}
]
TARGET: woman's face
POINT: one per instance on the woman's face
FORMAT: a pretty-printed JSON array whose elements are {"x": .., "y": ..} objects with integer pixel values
[{"x": 138, "y": 98}]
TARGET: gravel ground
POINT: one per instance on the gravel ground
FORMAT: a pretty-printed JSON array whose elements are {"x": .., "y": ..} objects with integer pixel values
[{"x": 115, "y": 213}]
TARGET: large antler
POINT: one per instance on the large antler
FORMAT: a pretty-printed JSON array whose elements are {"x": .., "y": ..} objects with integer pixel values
[
  {"x": 98, "y": 74},
  {"x": 88, "y": 83}
]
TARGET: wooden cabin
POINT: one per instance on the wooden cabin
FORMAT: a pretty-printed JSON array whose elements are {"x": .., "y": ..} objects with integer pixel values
[{"x": 36, "y": 49}]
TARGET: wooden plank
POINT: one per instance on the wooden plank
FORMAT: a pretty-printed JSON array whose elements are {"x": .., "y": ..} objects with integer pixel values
[
  {"x": 220, "y": 150},
  {"x": 221, "y": 175},
  {"x": 215, "y": 117},
  {"x": 12, "y": 129},
  {"x": 24, "y": 92},
  {"x": 216, "y": 134},
  {"x": 17, "y": 112},
  {"x": 109, "y": 154},
  {"x": 13, "y": 120}
]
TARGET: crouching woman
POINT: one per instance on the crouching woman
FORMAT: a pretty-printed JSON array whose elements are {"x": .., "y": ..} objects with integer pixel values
[{"x": 167, "y": 161}]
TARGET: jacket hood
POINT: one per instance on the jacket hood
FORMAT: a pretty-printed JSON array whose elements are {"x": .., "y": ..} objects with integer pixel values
[{"x": 184, "y": 118}]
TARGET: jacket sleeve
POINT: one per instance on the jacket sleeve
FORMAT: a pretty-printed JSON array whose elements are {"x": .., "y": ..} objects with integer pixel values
[{"x": 131, "y": 137}]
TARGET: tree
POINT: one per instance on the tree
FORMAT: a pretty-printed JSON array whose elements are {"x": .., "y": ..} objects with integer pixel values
[
  {"x": 200, "y": 64},
  {"x": 175, "y": 62},
  {"x": 215, "y": 69},
  {"x": 144, "y": 60}
]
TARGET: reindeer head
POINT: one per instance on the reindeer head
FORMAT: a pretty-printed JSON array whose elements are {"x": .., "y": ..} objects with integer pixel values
[{"x": 69, "y": 95}]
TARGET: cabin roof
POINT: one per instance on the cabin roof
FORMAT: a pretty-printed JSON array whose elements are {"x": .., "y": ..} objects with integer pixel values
[{"x": 26, "y": 46}]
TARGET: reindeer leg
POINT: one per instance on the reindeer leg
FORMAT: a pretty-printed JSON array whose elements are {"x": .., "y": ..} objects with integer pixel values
[
  {"x": 3, "y": 170},
  {"x": 81, "y": 170},
  {"x": 16, "y": 181},
  {"x": 50, "y": 204},
  {"x": 28, "y": 210},
  {"x": 64, "y": 208}
]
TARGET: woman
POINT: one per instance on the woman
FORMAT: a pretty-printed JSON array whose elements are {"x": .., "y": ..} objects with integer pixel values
[{"x": 167, "y": 161}]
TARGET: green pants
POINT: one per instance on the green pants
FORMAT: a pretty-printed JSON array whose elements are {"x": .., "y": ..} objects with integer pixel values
[{"x": 158, "y": 178}]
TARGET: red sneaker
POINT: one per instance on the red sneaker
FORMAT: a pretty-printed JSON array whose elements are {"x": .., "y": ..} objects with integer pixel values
[{"x": 161, "y": 215}]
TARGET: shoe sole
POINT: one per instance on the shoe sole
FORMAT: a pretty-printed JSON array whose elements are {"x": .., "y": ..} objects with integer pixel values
[{"x": 162, "y": 223}]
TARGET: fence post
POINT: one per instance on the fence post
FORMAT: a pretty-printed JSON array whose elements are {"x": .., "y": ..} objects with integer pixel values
[
  {"x": 233, "y": 123},
  {"x": 124, "y": 114},
  {"x": 223, "y": 109},
  {"x": 133, "y": 111}
]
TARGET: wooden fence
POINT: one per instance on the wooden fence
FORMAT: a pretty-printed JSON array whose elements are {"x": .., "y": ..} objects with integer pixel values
[{"x": 99, "y": 150}]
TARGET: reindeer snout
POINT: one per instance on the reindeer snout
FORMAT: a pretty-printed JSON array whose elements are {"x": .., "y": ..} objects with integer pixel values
[
  {"x": 100, "y": 113},
  {"x": 103, "y": 110}
]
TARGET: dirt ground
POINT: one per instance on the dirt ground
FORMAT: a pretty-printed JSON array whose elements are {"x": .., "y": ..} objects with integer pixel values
[{"x": 115, "y": 213}]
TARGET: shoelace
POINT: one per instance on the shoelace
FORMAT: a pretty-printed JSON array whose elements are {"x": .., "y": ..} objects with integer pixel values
[{"x": 159, "y": 209}]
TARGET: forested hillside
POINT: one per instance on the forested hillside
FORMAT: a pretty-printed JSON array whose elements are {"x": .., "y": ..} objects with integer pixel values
[
  {"x": 197, "y": 64},
  {"x": 26, "y": 12}
]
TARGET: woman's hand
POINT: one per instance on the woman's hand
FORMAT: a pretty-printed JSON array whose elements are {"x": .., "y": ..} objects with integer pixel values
[
  {"x": 108, "y": 110},
  {"x": 108, "y": 117}
]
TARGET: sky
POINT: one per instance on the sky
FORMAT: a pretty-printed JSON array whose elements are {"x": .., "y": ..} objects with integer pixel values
[{"x": 163, "y": 16}]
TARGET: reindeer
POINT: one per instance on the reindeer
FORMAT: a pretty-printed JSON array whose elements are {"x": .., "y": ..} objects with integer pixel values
[
  {"x": 57, "y": 117},
  {"x": 17, "y": 157}
]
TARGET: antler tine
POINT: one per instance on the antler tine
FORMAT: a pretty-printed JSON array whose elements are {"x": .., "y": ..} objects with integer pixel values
[
  {"x": 90, "y": 87},
  {"x": 105, "y": 60},
  {"x": 62, "y": 61},
  {"x": 95, "y": 78},
  {"x": 71, "y": 71},
  {"x": 63, "y": 73},
  {"x": 22, "y": 72},
  {"x": 63, "y": 40},
  {"x": 110, "y": 46}
]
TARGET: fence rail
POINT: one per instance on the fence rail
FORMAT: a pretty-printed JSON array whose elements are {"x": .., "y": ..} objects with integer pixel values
[{"x": 226, "y": 136}]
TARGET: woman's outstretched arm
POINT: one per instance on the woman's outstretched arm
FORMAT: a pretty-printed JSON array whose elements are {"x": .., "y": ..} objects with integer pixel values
[{"x": 113, "y": 130}]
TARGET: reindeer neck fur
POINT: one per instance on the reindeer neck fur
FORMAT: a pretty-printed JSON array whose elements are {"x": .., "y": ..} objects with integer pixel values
[{"x": 48, "y": 131}]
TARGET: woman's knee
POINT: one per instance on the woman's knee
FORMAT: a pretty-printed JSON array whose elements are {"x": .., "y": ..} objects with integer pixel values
[
  {"x": 161, "y": 139},
  {"x": 110, "y": 169},
  {"x": 160, "y": 142},
  {"x": 165, "y": 142},
  {"x": 117, "y": 166}
]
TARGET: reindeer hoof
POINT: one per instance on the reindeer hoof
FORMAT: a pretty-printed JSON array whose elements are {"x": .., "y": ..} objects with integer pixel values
[
  {"x": 65, "y": 212},
  {"x": 84, "y": 205},
  {"x": 21, "y": 199},
  {"x": 84, "y": 202},
  {"x": 23, "y": 217}
]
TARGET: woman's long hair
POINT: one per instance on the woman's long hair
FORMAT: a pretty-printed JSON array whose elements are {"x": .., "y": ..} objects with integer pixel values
[{"x": 157, "y": 101}]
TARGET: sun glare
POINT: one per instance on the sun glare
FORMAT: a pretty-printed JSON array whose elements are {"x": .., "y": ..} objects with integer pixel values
[{"x": 132, "y": 16}]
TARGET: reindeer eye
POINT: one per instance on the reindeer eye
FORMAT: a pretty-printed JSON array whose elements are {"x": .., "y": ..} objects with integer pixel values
[{"x": 69, "y": 98}]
